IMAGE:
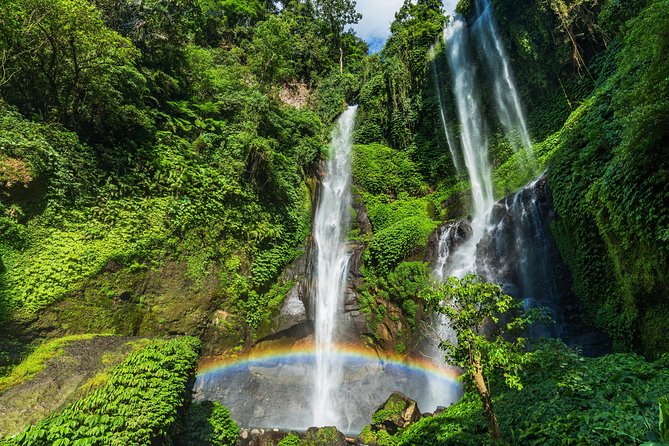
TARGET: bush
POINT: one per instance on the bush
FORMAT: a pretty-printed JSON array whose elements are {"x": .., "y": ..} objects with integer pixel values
[
  {"x": 393, "y": 244},
  {"x": 566, "y": 399},
  {"x": 382, "y": 170},
  {"x": 208, "y": 423}
]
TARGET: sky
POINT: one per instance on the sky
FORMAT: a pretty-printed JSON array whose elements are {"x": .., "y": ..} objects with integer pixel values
[{"x": 377, "y": 15}]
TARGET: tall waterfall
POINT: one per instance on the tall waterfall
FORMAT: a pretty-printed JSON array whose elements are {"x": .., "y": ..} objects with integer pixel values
[
  {"x": 472, "y": 140},
  {"x": 509, "y": 108},
  {"x": 331, "y": 225},
  {"x": 507, "y": 242}
]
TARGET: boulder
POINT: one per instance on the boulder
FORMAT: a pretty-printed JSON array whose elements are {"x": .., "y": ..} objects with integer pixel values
[
  {"x": 324, "y": 436},
  {"x": 398, "y": 412}
]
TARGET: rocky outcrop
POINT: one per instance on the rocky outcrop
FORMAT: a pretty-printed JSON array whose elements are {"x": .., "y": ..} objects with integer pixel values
[
  {"x": 398, "y": 412},
  {"x": 447, "y": 238},
  {"x": 295, "y": 304},
  {"x": 361, "y": 222},
  {"x": 65, "y": 378},
  {"x": 314, "y": 436}
]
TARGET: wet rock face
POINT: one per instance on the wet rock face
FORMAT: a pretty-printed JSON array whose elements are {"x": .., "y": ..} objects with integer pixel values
[
  {"x": 458, "y": 233},
  {"x": 293, "y": 311},
  {"x": 518, "y": 251},
  {"x": 361, "y": 222}
]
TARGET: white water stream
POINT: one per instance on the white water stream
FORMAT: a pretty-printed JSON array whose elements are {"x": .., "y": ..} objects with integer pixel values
[
  {"x": 473, "y": 143},
  {"x": 509, "y": 108},
  {"x": 331, "y": 225}
]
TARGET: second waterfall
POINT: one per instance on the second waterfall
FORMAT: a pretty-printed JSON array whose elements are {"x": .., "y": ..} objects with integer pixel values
[{"x": 331, "y": 225}]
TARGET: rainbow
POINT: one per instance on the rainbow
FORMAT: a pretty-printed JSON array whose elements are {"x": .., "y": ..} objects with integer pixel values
[{"x": 212, "y": 366}]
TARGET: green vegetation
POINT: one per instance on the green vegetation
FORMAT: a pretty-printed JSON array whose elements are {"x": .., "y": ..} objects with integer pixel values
[
  {"x": 135, "y": 136},
  {"x": 140, "y": 403},
  {"x": 609, "y": 176},
  {"x": 208, "y": 423},
  {"x": 159, "y": 159},
  {"x": 483, "y": 319},
  {"x": 401, "y": 214},
  {"x": 566, "y": 399},
  {"x": 290, "y": 440}
]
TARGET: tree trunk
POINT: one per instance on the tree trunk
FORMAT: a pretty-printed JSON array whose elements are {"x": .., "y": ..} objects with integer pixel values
[
  {"x": 341, "y": 60},
  {"x": 490, "y": 416}
]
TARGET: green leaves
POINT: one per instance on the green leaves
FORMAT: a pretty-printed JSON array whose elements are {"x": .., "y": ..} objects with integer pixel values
[
  {"x": 208, "y": 423},
  {"x": 664, "y": 419},
  {"x": 488, "y": 324},
  {"x": 138, "y": 404}
]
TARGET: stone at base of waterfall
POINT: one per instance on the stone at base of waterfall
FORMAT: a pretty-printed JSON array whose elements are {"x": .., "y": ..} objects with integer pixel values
[
  {"x": 325, "y": 436},
  {"x": 314, "y": 436},
  {"x": 260, "y": 437},
  {"x": 398, "y": 412}
]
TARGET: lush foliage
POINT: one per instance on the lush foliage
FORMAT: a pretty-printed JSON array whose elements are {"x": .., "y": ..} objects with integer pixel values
[
  {"x": 566, "y": 399},
  {"x": 136, "y": 134},
  {"x": 140, "y": 403},
  {"x": 398, "y": 106},
  {"x": 488, "y": 326},
  {"x": 208, "y": 423},
  {"x": 609, "y": 181},
  {"x": 471, "y": 306},
  {"x": 399, "y": 288}
]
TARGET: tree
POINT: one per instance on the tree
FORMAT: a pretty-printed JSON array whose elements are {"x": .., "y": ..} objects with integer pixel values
[
  {"x": 487, "y": 324},
  {"x": 63, "y": 64},
  {"x": 337, "y": 14},
  {"x": 271, "y": 49}
]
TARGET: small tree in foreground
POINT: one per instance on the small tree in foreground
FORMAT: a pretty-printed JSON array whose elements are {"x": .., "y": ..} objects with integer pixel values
[{"x": 487, "y": 324}]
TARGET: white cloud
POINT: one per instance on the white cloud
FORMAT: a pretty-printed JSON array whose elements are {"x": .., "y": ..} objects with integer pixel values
[{"x": 377, "y": 15}]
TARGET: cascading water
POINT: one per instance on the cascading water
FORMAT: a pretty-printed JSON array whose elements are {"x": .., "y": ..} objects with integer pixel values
[
  {"x": 294, "y": 383},
  {"x": 331, "y": 225},
  {"x": 473, "y": 142},
  {"x": 508, "y": 243},
  {"x": 509, "y": 107},
  {"x": 450, "y": 140},
  {"x": 472, "y": 136},
  {"x": 519, "y": 252}
]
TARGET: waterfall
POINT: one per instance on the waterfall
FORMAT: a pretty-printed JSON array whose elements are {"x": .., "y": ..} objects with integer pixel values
[
  {"x": 509, "y": 108},
  {"x": 442, "y": 113},
  {"x": 519, "y": 252},
  {"x": 508, "y": 242},
  {"x": 331, "y": 225},
  {"x": 472, "y": 141}
]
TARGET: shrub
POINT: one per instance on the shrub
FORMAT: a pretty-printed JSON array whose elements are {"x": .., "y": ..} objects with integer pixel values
[
  {"x": 208, "y": 423},
  {"x": 392, "y": 245}
]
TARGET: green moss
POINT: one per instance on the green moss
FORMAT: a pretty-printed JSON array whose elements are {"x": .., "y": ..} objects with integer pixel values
[
  {"x": 290, "y": 440},
  {"x": 36, "y": 360},
  {"x": 382, "y": 170},
  {"x": 393, "y": 244},
  {"x": 389, "y": 412}
]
